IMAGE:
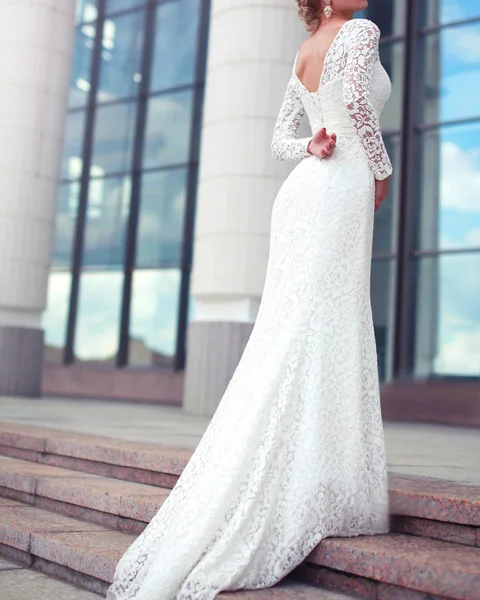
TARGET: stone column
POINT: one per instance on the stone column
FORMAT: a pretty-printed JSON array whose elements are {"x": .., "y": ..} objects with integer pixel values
[
  {"x": 251, "y": 51},
  {"x": 36, "y": 41}
]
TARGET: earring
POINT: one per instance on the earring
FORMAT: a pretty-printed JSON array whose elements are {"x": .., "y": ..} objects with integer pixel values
[{"x": 328, "y": 9}]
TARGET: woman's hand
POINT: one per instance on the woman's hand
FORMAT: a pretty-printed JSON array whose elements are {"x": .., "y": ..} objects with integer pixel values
[
  {"x": 381, "y": 191},
  {"x": 322, "y": 144}
]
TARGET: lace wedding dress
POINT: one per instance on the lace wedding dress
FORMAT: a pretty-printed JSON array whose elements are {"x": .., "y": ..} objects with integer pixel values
[{"x": 295, "y": 451}]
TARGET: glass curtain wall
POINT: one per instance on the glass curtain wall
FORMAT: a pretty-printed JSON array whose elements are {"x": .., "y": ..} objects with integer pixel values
[
  {"x": 426, "y": 254},
  {"x": 446, "y": 218},
  {"x": 118, "y": 289},
  {"x": 391, "y": 19}
]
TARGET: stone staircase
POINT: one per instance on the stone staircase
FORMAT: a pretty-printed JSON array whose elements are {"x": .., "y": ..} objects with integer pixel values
[{"x": 71, "y": 504}]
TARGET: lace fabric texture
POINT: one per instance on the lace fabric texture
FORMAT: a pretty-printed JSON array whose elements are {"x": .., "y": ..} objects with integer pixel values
[
  {"x": 353, "y": 90},
  {"x": 295, "y": 450}
]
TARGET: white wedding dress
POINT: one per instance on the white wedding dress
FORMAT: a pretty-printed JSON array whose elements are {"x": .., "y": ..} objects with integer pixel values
[{"x": 295, "y": 451}]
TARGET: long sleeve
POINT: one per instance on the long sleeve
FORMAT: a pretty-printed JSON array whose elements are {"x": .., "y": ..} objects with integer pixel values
[
  {"x": 362, "y": 56},
  {"x": 285, "y": 144}
]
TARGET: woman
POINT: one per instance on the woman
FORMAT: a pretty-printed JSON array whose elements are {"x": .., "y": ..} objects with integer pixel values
[{"x": 295, "y": 451}]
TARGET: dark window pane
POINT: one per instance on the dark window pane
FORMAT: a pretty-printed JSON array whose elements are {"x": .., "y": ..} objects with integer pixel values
[
  {"x": 175, "y": 44},
  {"x": 121, "y": 56},
  {"x": 450, "y": 83},
  {"x": 113, "y": 139},
  {"x": 437, "y": 12},
  {"x": 54, "y": 320},
  {"x": 107, "y": 215},
  {"x": 112, "y": 6},
  {"x": 449, "y": 190},
  {"x": 167, "y": 138},
  {"x": 389, "y": 16},
  {"x": 98, "y": 319},
  {"x": 72, "y": 163},
  {"x": 153, "y": 318},
  {"x": 86, "y": 10},
  {"x": 448, "y": 316},
  {"x": 392, "y": 57},
  {"x": 386, "y": 218},
  {"x": 81, "y": 65},
  {"x": 162, "y": 211},
  {"x": 383, "y": 295},
  {"x": 66, "y": 219}
]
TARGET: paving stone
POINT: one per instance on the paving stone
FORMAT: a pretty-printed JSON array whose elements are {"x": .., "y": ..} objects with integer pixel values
[
  {"x": 285, "y": 591},
  {"x": 8, "y": 564},
  {"x": 22, "y": 475},
  {"x": 18, "y": 525},
  {"x": 25, "y": 584},
  {"x": 421, "y": 564},
  {"x": 448, "y": 532},
  {"x": 94, "y": 553},
  {"x": 432, "y": 499}
]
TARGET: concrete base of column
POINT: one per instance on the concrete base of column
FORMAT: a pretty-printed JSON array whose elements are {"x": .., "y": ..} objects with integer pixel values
[
  {"x": 214, "y": 350},
  {"x": 21, "y": 361}
]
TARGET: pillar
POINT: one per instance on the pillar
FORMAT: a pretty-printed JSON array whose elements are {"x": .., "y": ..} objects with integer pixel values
[
  {"x": 251, "y": 51},
  {"x": 36, "y": 40}
]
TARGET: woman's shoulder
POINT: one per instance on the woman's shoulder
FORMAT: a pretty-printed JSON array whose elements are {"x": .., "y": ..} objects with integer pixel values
[{"x": 364, "y": 28}]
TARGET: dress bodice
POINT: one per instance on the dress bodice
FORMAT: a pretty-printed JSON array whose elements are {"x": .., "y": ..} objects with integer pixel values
[{"x": 353, "y": 90}]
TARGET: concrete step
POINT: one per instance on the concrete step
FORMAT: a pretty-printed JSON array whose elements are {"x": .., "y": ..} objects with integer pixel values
[
  {"x": 421, "y": 506},
  {"x": 382, "y": 567},
  {"x": 128, "y": 507}
]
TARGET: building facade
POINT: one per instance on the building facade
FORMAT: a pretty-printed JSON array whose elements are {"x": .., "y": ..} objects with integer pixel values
[{"x": 162, "y": 214}]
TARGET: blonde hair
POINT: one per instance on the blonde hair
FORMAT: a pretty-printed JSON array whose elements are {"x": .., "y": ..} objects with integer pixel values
[{"x": 309, "y": 12}]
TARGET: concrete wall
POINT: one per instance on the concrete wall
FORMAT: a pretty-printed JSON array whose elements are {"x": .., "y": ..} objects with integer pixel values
[{"x": 36, "y": 39}]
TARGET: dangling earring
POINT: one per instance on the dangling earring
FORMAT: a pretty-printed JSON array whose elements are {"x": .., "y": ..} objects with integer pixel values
[{"x": 328, "y": 9}]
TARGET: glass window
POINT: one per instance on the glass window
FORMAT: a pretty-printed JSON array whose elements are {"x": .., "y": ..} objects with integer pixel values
[
  {"x": 72, "y": 160},
  {"x": 121, "y": 56},
  {"x": 169, "y": 121},
  {"x": 81, "y": 65},
  {"x": 175, "y": 44},
  {"x": 383, "y": 299},
  {"x": 86, "y": 10},
  {"x": 161, "y": 220},
  {"x": 98, "y": 318},
  {"x": 392, "y": 57},
  {"x": 154, "y": 315},
  {"x": 113, "y": 138},
  {"x": 386, "y": 218},
  {"x": 112, "y": 6},
  {"x": 107, "y": 215},
  {"x": 66, "y": 221},
  {"x": 436, "y": 12},
  {"x": 55, "y": 317},
  {"x": 389, "y": 16},
  {"x": 448, "y": 315},
  {"x": 449, "y": 190},
  {"x": 451, "y": 74}
]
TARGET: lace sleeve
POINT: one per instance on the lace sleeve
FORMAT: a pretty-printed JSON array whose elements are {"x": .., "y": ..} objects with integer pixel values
[
  {"x": 285, "y": 144},
  {"x": 362, "y": 55}
]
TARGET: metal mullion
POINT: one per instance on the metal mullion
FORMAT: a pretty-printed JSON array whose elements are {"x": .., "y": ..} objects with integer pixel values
[
  {"x": 77, "y": 256},
  {"x": 450, "y": 123},
  {"x": 132, "y": 226},
  {"x": 170, "y": 167},
  {"x": 404, "y": 295},
  {"x": 441, "y": 26},
  {"x": 123, "y": 100},
  {"x": 192, "y": 185},
  {"x": 126, "y": 11},
  {"x": 440, "y": 251},
  {"x": 184, "y": 87},
  {"x": 379, "y": 256},
  {"x": 392, "y": 39}
]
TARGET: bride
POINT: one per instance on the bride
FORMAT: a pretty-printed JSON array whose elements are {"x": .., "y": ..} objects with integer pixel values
[{"x": 295, "y": 450}]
